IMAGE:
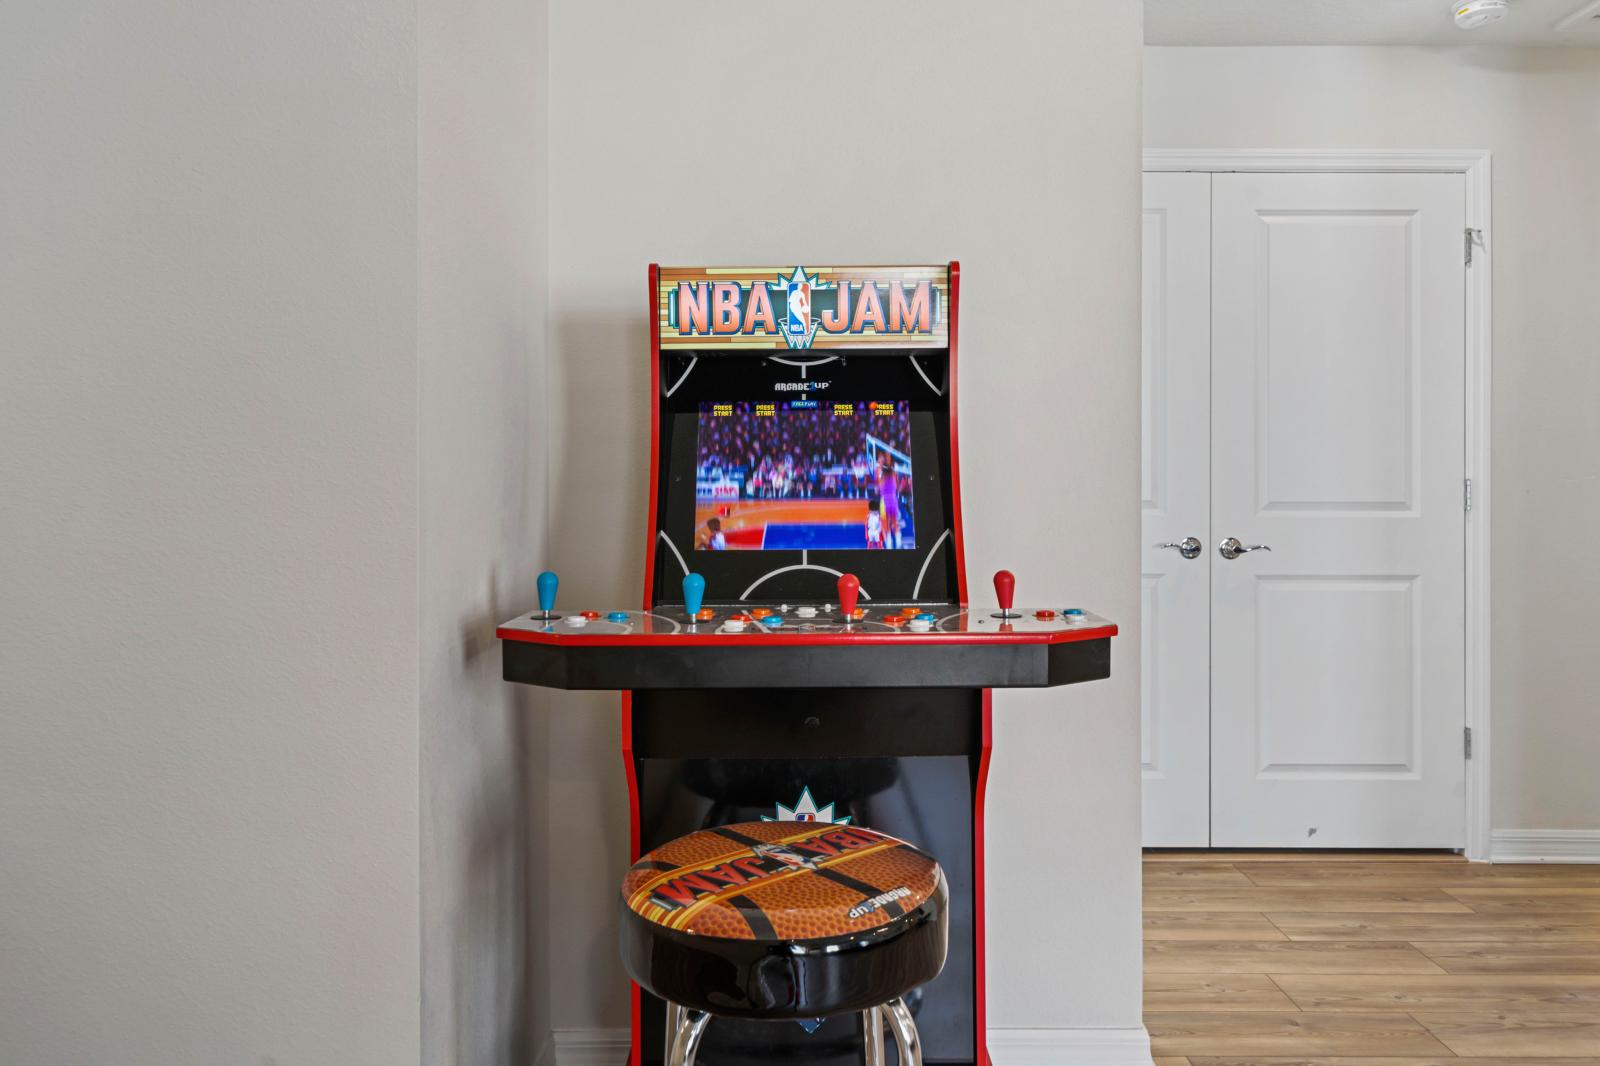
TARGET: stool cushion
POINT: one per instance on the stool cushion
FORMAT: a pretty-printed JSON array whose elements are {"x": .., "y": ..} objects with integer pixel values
[{"x": 784, "y": 919}]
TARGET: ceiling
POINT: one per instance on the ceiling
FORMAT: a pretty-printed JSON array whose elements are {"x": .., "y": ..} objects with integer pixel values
[{"x": 1420, "y": 22}]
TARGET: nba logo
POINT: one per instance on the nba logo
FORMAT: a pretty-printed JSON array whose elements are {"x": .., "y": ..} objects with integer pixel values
[{"x": 799, "y": 323}]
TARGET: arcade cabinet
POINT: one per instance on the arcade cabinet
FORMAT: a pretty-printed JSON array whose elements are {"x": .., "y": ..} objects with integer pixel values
[{"x": 805, "y": 650}]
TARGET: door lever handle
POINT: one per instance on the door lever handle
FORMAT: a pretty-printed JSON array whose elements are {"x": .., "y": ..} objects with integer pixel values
[
  {"x": 1188, "y": 547},
  {"x": 1232, "y": 549}
]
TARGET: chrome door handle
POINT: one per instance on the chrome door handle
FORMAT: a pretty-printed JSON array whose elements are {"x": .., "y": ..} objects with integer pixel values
[
  {"x": 1232, "y": 549},
  {"x": 1188, "y": 547}
]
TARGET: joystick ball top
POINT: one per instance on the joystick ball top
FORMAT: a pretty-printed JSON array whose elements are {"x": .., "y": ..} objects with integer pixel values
[
  {"x": 849, "y": 589},
  {"x": 694, "y": 592},
  {"x": 546, "y": 583},
  {"x": 1005, "y": 587}
]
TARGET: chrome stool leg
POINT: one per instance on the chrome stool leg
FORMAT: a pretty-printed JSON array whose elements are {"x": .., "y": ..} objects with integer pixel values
[
  {"x": 674, "y": 1023},
  {"x": 872, "y": 1036},
  {"x": 686, "y": 1040},
  {"x": 905, "y": 1032}
]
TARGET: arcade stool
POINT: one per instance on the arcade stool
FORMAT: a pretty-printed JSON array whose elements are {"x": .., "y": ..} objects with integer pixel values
[{"x": 785, "y": 921}]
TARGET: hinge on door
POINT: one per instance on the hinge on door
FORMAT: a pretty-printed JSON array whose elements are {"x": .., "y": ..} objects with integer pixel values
[
  {"x": 1466, "y": 494},
  {"x": 1474, "y": 236},
  {"x": 1467, "y": 741}
]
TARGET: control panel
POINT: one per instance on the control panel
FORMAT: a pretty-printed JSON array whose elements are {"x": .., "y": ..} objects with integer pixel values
[{"x": 847, "y": 616}]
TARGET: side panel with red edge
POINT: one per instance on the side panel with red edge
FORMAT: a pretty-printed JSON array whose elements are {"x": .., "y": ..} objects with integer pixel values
[
  {"x": 651, "y": 524},
  {"x": 979, "y": 915},
  {"x": 955, "y": 441},
  {"x": 630, "y": 771}
]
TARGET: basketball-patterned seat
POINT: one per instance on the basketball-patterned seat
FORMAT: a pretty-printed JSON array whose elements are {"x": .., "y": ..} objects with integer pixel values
[{"x": 785, "y": 920}]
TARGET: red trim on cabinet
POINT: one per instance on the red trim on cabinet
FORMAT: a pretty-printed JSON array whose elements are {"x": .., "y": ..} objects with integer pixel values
[
  {"x": 635, "y": 1055},
  {"x": 980, "y": 1011},
  {"x": 654, "y": 277},
  {"x": 955, "y": 448}
]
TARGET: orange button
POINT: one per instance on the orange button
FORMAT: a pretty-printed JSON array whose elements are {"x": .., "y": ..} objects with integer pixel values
[
  {"x": 907, "y": 612},
  {"x": 760, "y": 612},
  {"x": 704, "y": 614}
]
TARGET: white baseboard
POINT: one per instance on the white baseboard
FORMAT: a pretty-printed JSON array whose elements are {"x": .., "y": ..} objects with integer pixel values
[
  {"x": 1007, "y": 1047},
  {"x": 1544, "y": 845},
  {"x": 592, "y": 1047},
  {"x": 1069, "y": 1047}
]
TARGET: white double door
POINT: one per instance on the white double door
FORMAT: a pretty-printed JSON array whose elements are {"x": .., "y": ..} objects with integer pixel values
[{"x": 1303, "y": 391}]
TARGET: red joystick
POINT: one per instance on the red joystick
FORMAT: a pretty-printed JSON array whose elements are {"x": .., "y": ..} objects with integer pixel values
[
  {"x": 849, "y": 589},
  {"x": 1005, "y": 587}
]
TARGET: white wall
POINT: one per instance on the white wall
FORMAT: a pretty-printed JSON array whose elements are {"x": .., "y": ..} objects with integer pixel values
[
  {"x": 1005, "y": 135},
  {"x": 481, "y": 354},
  {"x": 208, "y": 455},
  {"x": 1538, "y": 111}
]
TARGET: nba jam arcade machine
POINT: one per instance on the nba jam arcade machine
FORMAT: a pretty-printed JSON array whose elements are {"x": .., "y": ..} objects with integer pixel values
[{"x": 821, "y": 662}]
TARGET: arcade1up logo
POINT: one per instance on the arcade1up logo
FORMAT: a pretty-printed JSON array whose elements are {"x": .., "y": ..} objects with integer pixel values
[{"x": 799, "y": 308}]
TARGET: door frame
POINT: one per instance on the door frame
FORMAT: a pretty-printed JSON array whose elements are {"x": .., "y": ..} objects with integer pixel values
[{"x": 1475, "y": 166}]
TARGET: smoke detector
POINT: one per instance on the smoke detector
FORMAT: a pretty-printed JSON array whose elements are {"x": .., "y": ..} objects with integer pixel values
[{"x": 1470, "y": 14}]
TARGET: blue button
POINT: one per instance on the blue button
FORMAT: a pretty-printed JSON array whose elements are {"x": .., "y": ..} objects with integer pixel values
[
  {"x": 926, "y": 617},
  {"x": 1073, "y": 612},
  {"x": 772, "y": 620},
  {"x": 617, "y": 616}
]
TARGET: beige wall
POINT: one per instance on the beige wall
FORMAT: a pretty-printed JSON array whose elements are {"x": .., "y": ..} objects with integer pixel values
[
  {"x": 482, "y": 69},
  {"x": 208, "y": 462},
  {"x": 1538, "y": 111},
  {"x": 1005, "y": 135}
]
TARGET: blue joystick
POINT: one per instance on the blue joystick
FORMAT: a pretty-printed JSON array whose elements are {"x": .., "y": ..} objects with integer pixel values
[
  {"x": 547, "y": 583},
  {"x": 694, "y": 593}
]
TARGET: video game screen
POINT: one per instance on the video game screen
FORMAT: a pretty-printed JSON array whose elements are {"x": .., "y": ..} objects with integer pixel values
[{"x": 804, "y": 474}]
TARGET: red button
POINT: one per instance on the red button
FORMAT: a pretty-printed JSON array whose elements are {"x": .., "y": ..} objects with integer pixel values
[
  {"x": 1044, "y": 616},
  {"x": 591, "y": 615}
]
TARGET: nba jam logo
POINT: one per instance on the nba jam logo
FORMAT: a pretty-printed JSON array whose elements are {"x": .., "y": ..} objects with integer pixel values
[
  {"x": 806, "y": 810},
  {"x": 799, "y": 327}
]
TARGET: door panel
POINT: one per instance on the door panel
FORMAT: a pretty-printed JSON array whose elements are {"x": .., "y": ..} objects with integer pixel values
[
  {"x": 1337, "y": 440},
  {"x": 1176, "y": 610}
]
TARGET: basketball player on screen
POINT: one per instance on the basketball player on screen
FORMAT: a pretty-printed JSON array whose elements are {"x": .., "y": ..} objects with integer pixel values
[
  {"x": 710, "y": 536},
  {"x": 889, "y": 493},
  {"x": 874, "y": 525}
]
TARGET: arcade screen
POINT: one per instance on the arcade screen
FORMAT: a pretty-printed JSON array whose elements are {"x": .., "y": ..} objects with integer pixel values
[{"x": 804, "y": 474}]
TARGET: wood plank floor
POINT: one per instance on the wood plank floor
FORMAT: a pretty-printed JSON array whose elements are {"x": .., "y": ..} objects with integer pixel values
[{"x": 1296, "y": 959}]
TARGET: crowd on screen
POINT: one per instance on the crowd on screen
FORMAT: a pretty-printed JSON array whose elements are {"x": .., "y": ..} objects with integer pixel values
[{"x": 798, "y": 454}]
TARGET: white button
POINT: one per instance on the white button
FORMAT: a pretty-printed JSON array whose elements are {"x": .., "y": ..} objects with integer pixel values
[
  {"x": 577, "y": 621},
  {"x": 805, "y": 612},
  {"x": 733, "y": 625},
  {"x": 919, "y": 625},
  {"x": 783, "y": 608}
]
